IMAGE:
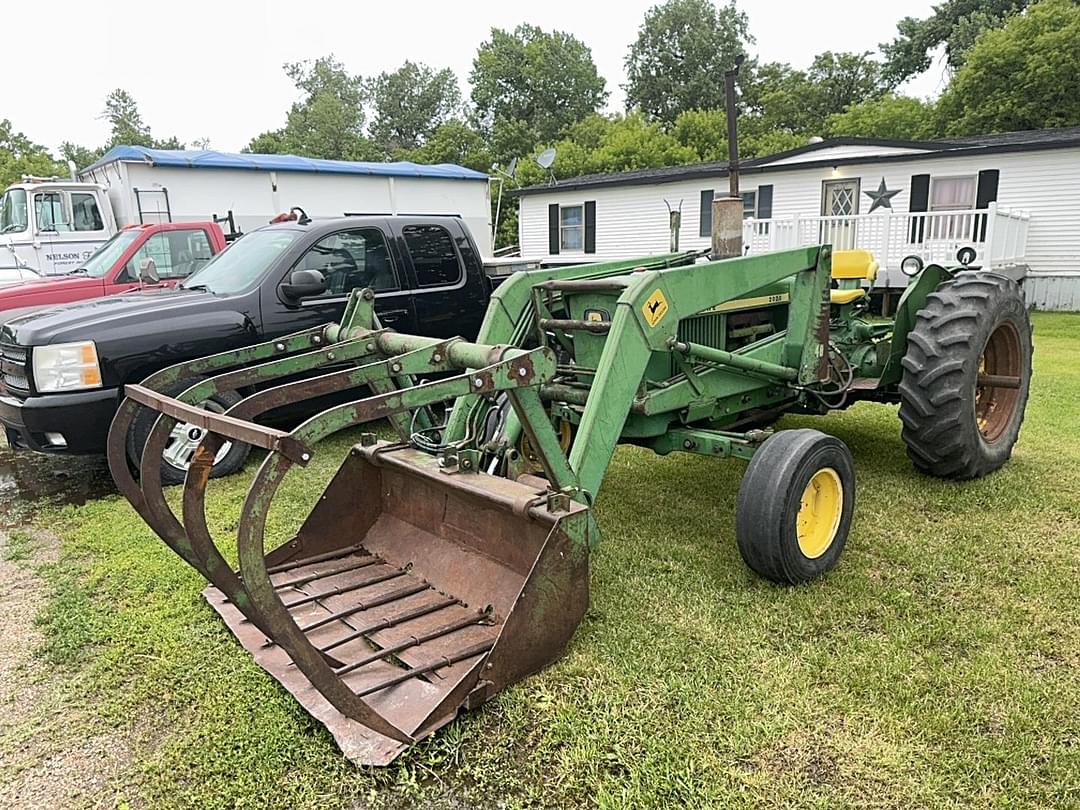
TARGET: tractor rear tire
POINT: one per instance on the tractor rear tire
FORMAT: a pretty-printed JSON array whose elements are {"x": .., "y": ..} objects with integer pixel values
[
  {"x": 973, "y": 331},
  {"x": 795, "y": 506}
]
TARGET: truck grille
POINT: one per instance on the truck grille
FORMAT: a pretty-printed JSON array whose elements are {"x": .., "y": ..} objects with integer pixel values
[{"x": 14, "y": 368}]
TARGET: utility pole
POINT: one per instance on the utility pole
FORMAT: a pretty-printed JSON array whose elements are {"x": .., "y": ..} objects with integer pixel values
[{"x": 727, "y": 211}]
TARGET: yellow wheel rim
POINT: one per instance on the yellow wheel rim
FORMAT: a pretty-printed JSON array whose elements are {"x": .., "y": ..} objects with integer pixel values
[
  {"x": 820, "y": 510},
  {"x": 565, "y": 432}
]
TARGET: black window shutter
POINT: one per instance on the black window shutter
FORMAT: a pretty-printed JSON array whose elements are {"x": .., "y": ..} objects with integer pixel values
[
  {"x": 590, "y": 226},
  {"x": 553, "y": 228},
  {"x": 985, "y": 193},
  {"x": 764, "y": 202},
  {"x": 705, "y": 226},
  {"x": 919, "y": 202}
]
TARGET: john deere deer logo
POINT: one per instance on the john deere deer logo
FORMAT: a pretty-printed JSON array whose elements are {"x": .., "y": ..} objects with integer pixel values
[{"x": 655, "y": 308}]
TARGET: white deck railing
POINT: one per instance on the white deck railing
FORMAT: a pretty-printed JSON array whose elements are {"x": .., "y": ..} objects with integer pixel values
[{"x": 998, "y": 235}]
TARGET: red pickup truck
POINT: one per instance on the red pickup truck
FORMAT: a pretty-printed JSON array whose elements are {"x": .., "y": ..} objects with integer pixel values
[{"x": 177, "y": 249}]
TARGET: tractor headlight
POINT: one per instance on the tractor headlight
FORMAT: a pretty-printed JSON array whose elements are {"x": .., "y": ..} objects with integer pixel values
[
  {"x": 66, "y": 367},
  {"x": 911, "y": 266}
]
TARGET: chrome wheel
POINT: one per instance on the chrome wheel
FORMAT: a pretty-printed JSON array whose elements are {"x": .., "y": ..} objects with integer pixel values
[{"x": 184, "y": 440}]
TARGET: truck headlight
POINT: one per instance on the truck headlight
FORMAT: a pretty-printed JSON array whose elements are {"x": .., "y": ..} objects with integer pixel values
[{"x": 66, "y": 367}]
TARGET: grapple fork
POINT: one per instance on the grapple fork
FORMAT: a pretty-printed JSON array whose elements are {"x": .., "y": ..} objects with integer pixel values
[{"x": 418, "y": 585}]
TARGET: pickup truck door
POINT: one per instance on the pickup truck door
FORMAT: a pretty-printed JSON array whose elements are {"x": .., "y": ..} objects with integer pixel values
[
  {"x": 350, "y": 259},
  {"x": 176, "y": 255},
  {"x": 451, "y": 296}
]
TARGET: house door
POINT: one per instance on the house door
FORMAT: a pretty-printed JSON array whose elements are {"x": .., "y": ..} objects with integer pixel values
[{"x": 840, "y": 204}]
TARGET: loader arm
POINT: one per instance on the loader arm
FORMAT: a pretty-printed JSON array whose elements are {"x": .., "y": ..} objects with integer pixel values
[
  {"x": 646, "y": 321},
  {"x": 507, "y": 319}
]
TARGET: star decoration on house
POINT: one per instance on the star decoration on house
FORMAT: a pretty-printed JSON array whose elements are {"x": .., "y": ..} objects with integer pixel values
[{"x": 882, "y": 198}]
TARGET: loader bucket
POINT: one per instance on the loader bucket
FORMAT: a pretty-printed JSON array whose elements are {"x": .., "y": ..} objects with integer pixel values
[{"x": 418, "y": 592}]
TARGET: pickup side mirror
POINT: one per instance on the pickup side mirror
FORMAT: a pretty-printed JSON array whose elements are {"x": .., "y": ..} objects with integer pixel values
[
  {"x": 303, "y": 284},
  {"x": 148, "y": 273}
]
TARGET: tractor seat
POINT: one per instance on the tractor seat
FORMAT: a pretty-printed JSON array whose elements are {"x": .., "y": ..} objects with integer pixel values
[
  {"x": 850, "y": 268},
  {"x": 846, "y": 296}
]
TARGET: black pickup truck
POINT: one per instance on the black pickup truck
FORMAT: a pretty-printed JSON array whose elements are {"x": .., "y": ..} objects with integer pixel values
[{"x": 62, "y": 370}]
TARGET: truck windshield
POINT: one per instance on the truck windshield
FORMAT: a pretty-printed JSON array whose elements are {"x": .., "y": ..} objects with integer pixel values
[
  {"x": 108, "y": 254},
  {"x": 13, "y": 211},
  {"x": 240, "y": 267}
]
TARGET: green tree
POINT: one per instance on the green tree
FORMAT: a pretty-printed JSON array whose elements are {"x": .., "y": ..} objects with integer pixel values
[
  {"x": 705, "y": 132},
  {"x": 1022, "y": 76},
  {"x": 81, "y": 156},
  {"x": 127, "y": 125},
  {"x": 529, "y": 85},
  {"x": 410, "y": 104},
  {"x": 796, "y": 104},
  {"x": 600, "y": 144},
  {"x": 955, "y": 24},
  {"x": 842, "y": 79},
  {"x": 891, "y": 116},
  {"x": 678, "y": 60},
  {"x": 328, "y": 121},
  {"x": 19, "y": 155},
  {"x": 454, "y": 142}
]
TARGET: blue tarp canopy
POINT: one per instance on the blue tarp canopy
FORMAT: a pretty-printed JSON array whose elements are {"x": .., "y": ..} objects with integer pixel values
[{"x": 205, "y": 159}]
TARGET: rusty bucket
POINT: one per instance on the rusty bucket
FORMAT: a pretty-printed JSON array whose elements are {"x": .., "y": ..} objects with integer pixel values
[{"x": 411, "y": 592}]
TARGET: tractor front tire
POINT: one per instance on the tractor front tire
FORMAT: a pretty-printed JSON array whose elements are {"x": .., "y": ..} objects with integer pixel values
[
  {"x": 795, "y": 506},
  {"x": 967, "y": 370}
]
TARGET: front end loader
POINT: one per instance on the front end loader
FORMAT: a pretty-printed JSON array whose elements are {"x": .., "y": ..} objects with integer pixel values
[{"x": 439, "y": 568}]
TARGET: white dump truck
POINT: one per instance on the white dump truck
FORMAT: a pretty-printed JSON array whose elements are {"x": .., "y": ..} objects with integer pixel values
[{"x": 52, "y": 225}]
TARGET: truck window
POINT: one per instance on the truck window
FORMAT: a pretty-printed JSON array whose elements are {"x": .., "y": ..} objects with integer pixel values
[
  {"x": 239, "y": 268},
  {"x": 13, "y": 211},
  {"x": 176, "y": 254},
  {"x": 49, "y": 212},
  {"x": 433, "y": 255},
  {"x": 108, "y": 254},
  {"x": 352, "y": 260},
  {"x": 85, "y": 215}
]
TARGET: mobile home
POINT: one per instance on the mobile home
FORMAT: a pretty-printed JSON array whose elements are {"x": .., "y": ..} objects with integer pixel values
[{"x": 1011, "y": 197}]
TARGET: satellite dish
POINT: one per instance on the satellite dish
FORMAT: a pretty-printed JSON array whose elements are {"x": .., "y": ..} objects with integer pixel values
[
  {"x": 512, "y": 168},
  {"x": 546, "y": 158}
]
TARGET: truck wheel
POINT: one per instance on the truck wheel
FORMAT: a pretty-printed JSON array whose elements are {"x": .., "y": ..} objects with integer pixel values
[
  {"x": 185, "y": 438},
  {"x": 795, "y": 505},
  {"x": 967, "y": 371}
]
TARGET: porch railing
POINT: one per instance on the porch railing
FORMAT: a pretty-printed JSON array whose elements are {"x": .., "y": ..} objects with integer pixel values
[{"x": 998, "y": 235}]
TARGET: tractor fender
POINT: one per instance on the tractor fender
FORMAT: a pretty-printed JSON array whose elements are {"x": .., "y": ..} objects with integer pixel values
[{"x": 913, "y": 299}]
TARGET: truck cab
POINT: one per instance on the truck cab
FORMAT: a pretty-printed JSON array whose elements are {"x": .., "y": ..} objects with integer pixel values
[
  {"x": 51, "y": 225},
  {"x": 63, "y": 370},
  {"x": 177, "y": 249}
]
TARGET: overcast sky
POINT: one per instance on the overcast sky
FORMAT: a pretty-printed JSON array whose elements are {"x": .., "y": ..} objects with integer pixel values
[{"x": 213, "y": 70}]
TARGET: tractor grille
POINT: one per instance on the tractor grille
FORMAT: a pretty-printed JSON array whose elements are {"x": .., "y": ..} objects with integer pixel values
[
  {"x": 705, "y": 330},
  {"x": 14, "y": 368}
]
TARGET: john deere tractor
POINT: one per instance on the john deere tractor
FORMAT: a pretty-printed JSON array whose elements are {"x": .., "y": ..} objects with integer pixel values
[{"x": 441, "y": 567}]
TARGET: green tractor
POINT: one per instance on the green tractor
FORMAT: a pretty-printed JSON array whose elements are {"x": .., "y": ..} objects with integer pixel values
[{"x": 439, "y": 568}]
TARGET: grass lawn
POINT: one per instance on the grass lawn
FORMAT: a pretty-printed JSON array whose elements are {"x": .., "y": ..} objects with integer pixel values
[{"x": 937, "y": 665}]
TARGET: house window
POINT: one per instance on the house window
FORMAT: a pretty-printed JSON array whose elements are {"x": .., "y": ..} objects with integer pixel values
[
  {"x": 572, "y": 227},
  {"x": 952, "y": 193},
  {"x": 757, "y": 204},
  {"x": 749, "y": 204}
]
